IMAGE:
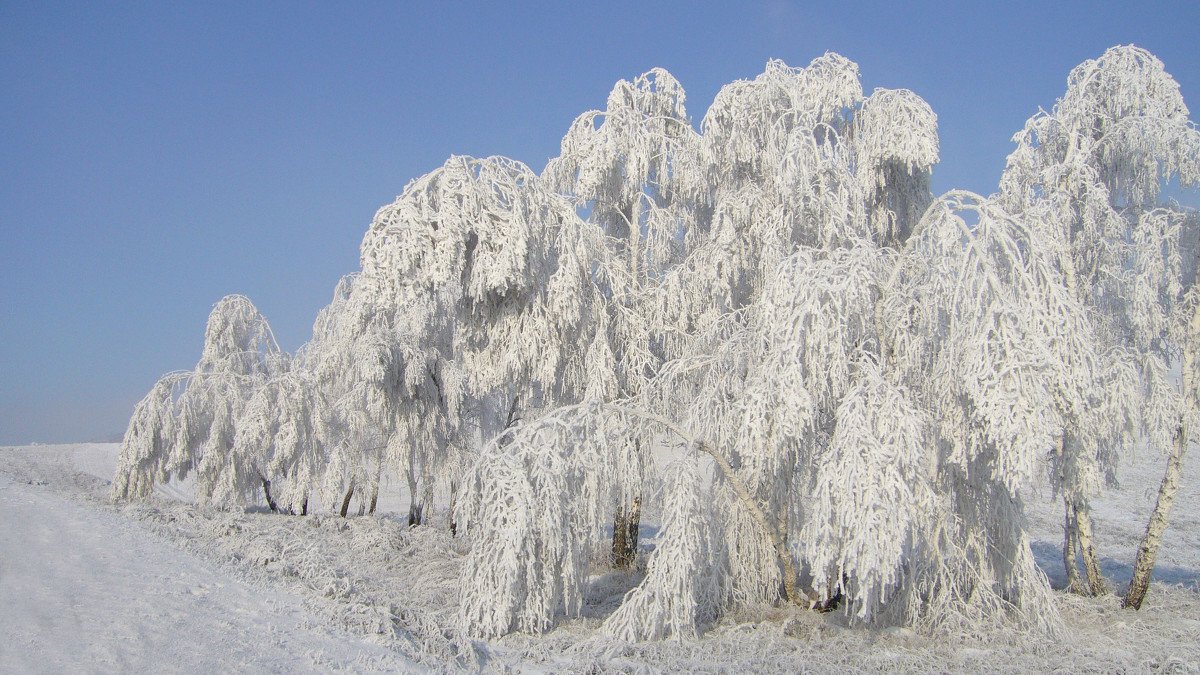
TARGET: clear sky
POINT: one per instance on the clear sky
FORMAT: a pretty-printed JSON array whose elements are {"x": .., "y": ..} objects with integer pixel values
[{"x": 155, "y": 157}]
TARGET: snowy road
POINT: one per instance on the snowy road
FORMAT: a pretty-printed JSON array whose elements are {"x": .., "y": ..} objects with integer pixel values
[{"x": 84, "y": 590}]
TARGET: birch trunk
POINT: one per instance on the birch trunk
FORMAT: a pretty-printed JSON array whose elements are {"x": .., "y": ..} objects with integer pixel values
[
  {"x": 267, "y": 492},
  {"x": 1148, "y": 551},
  {"x": 1091, "y": 562},
  {"x": 1070, "y": 561}
]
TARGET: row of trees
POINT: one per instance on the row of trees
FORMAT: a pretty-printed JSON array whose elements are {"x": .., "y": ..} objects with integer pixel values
[{"x": 856, "y": 380}]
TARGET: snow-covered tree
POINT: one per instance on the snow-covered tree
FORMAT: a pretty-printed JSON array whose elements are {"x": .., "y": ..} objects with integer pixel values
[
  {"x": 240, "y": 355},
  {"x": 978, "y": 323},
  {"x": 925, "y": 374},
  {"x": 814, "y": 177},
  {"x": 637, "y": 168},
  {"x": 149, "y": 438},
  {"x": 474, "y": 300},
  {"x": 1090, "y": 173},
  {"x": 359, "y": 368},
  {"x": 189, "y": 421},
  {"x": 281, "y": 423},
  {"x": 794, "y": 158}
]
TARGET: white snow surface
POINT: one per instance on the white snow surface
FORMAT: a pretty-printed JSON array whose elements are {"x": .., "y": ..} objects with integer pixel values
[
  {"x": 167, "y": 586},
  {"x": 84, "y": 589}
]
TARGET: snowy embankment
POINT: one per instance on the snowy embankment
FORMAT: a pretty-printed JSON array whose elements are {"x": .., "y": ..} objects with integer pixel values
[{"x": 165, "y": 585}]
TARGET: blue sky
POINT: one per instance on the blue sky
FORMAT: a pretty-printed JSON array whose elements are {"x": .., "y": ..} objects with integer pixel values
[{"x": 156, "y": 157}]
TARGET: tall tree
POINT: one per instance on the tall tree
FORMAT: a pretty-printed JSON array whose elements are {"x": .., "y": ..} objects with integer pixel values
[
  {"x": 636, "y": 169},
  {"x": 1090, "y": 172},
  {"x": 475, "y": 301}
]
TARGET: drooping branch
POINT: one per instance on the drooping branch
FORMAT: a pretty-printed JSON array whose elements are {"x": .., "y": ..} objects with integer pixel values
[{"x": 770, "y": 527}]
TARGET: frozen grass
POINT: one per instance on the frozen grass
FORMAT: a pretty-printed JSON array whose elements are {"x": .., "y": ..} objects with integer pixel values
[{"x": 395, "y": 586}]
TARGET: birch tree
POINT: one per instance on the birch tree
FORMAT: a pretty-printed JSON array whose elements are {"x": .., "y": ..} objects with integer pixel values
[
  {"x": 638, "y": 168},
  {"x": 281, "y": 424},
  {"x": 189, "y": 421},
  {"x": 1090, "y": 173},
  {"x": 370, "y": 387},
  {"x": 474, "y": 299},
  {"x": 146, "y": 447}
]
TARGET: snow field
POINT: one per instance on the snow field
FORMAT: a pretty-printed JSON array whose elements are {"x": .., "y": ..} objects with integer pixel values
[
  {"x": 169, "y": 586},
  {"x": 85, "y": 589}
]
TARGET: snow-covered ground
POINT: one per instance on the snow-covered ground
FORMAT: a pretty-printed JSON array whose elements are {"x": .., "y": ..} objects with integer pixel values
[
  {"x": 84, "y": 589},
  {"x": 86, "y": 586}
]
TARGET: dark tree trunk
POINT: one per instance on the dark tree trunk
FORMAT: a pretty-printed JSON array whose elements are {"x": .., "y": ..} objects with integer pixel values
[
  {"x": 346, "y": 501},
  {"x": 625, "y": 535},
  {"x": 414, "y": 507},
  {"x": 375, "y": 488},
  {"x": 267, "y": 491}
]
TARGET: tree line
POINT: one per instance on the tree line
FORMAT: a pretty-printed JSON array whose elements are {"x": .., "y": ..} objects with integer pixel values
[{"x": 855, "y": 379}]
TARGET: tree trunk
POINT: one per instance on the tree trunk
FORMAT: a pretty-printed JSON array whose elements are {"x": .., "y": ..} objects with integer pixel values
[
  {"x": 414, "y": 505},
  {"x": 304, "y": 507},
  {"x": 618, "y": 537},
  {"x": 625, "y": 529},
  {"x": 1091, "y": 563},
  {"x": 375, "y": 488},
  {"x": 453, "y": 502},
  {"x": 267, "y": 491},
  {"x": 772, "y": 527},
  {"x": 1079, "y": 537},
  {"x": 346, "y": 501},
  {"x": 1148, "y": 551},
  {"x": 625, "y": 534},
  {"x": 427, "y": 495},
  {"x": 1070, "y": 541}
]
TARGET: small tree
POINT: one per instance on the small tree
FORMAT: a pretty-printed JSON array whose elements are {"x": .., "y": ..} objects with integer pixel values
[
  {"x": 170, "y": 437},
  {"x": 373, "y": 385},
  {"x": 281, "y": 423},
  {"x": 143, "y": 461}
]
